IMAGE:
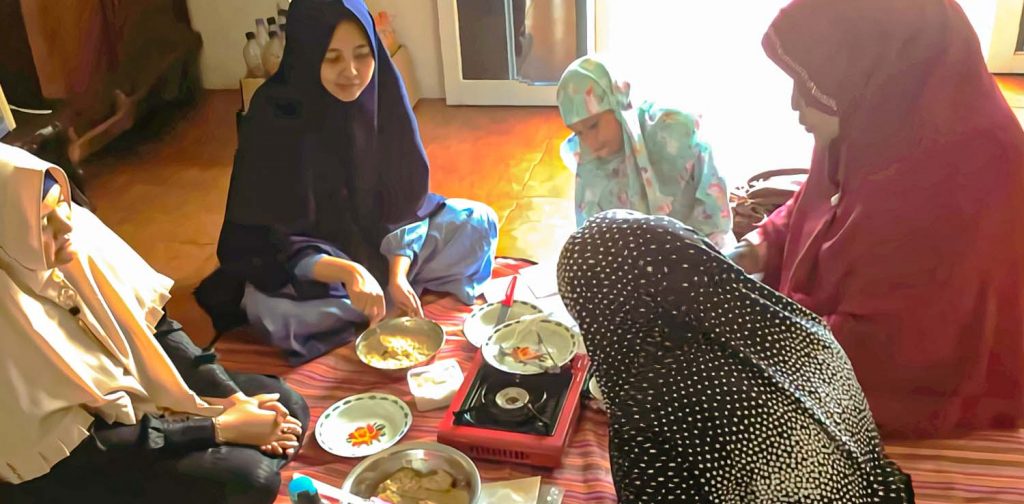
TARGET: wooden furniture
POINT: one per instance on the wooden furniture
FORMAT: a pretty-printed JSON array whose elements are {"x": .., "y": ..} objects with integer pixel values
[
  {"x": 7, "y": 122},
  {"x": 101, "y": 64}
]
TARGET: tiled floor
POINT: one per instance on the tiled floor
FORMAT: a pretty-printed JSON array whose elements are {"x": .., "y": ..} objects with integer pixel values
[{"x": 1013, "y": 90}]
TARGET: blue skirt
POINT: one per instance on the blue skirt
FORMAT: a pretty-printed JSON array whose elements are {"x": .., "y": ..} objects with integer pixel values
[{"x": 452, "y": 252}]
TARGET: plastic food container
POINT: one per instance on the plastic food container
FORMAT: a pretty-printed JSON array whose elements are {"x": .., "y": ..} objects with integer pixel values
[{"x": 435, "y": 385}]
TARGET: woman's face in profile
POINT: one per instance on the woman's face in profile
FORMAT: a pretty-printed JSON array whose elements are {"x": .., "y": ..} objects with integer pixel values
[
  {"x": 348, "y": 64},
  {"x": 56, "y": 225},
  {"x": 824, "y": 127}
]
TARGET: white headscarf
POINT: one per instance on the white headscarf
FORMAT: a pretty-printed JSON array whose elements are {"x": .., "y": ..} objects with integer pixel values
[{"x": 75, "y": 341}]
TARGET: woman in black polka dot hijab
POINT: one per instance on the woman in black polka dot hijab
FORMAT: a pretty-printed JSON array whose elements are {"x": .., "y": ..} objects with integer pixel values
[{"x": 718, "y": 388}]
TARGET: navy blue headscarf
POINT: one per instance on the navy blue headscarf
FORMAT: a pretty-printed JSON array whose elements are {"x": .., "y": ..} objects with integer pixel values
[{"x": 310, "y": 165}]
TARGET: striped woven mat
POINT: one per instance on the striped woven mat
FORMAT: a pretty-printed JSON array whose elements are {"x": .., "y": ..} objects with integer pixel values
[{"x": 986, "y": 467}]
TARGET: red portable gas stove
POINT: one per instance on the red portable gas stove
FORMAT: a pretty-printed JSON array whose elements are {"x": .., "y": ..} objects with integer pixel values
[{"x": 524, "y": 419}]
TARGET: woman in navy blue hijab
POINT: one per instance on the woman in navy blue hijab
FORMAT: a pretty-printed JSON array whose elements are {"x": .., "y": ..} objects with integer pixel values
[{"x": 329, "y": 218}]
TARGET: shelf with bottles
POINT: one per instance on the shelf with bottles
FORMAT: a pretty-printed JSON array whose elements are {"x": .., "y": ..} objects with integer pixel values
[{"x": 264, "y": 47}]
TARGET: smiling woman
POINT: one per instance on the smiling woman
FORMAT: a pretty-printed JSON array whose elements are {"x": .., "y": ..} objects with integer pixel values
[
  {"x": 348, "y": 63},
  {"x": 330, "y": 221}
]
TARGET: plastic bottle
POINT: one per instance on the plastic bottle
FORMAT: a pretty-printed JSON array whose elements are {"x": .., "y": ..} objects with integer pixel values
[
  {"x": 262, "y": 36},
  {"x": 272, "y": 53},
  {"x": 271, "y": 23},
  {"x": 253, "y": 57},
  {"x": 302, "y": 491}
]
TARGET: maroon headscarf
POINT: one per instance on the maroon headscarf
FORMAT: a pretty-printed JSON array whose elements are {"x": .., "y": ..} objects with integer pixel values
[{"x": 908, "y": 236}]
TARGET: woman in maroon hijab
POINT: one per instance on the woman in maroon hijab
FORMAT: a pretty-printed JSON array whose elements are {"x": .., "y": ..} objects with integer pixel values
[{"x": 908, "y": 237}]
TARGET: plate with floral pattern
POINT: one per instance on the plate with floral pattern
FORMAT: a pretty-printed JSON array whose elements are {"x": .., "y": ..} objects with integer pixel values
[{"x": 363, "y": 424}]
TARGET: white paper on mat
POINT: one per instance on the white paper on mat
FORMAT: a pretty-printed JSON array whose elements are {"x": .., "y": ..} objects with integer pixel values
[
  {"x": 520, "y": 491},
  {"x": 535, "y": 282},
  {"x": 555, "y": 306},
  {"x": 494, "y": 290},
  {"x": 541, "y": 278}
]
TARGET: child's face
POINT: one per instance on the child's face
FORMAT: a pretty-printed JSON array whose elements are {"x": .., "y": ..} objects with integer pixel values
[{"x": 600, "y": 134}]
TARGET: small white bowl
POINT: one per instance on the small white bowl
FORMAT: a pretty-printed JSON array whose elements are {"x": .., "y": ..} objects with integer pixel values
[{"x": 446, "y": 378}]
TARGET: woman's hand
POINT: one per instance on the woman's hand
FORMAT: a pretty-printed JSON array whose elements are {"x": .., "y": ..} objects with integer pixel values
[
  {"x": 270, "y": 402},
  {"x": 246, "y": 423},
  {"x": 290, "y": 424},
  {"x": 401, "y": 291},
  {"x": 404, "y": 297},
  {"x": 291, "y": 440},
  {"x": 290, "y": 435},
  {"x": 747, "y": 256},
  {"x": 363, "y": 289},
  {"x": 366, "y": 294}
]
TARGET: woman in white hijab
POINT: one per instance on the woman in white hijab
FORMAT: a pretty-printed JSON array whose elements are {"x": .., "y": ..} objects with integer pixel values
[{"x": 103, "y": 398}]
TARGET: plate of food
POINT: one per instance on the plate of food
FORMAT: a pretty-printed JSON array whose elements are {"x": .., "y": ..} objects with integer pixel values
[
  {"x": 363, "y": 424},
  {"x": 531, "y": 346},
  {"x": 399, "y": 344},
  {"x": 480, "y": 324}
]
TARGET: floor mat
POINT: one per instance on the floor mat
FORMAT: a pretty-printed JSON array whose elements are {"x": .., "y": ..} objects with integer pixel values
[
  {"x": 585, "y": 474},
  {"x": 167, "y": 198},
  {"x": 987, "y": 467}
]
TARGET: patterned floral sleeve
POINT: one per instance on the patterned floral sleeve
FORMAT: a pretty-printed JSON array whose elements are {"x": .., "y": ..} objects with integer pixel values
[
  {"x": 712, "y": 210},
  {"x": 570, "y": 154},
  {"x": 676, "y": 150}
]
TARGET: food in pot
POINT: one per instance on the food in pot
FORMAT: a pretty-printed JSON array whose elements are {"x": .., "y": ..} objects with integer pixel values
[
  {"x": 398, "y": 352},
  {"x": 409, "y": 486}
]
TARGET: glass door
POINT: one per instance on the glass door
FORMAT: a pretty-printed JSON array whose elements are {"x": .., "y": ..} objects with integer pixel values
[
  {"x": 511, "y": 52},
  {"x": 1006, "y": 52}
]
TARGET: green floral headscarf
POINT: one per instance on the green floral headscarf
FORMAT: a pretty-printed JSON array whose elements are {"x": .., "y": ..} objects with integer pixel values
[{"x": 663, "y": 169}]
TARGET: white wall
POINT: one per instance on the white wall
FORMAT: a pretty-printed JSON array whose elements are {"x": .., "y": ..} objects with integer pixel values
[
  {"x": 717, "y": 67},
  {"x": 223, "y": 23},
  {"x": 415, "y": 24},
  {"x": 1002, "y": 57},
  {"x": 982, "y": 15}
]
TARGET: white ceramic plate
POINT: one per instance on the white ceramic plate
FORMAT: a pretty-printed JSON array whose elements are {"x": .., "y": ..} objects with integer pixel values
[
  {"x": 559, "y": 339},
  {"x": 363, "y": 424},
  {"x": 481, "y": 323},
  {"x": 595, "y": 389}
]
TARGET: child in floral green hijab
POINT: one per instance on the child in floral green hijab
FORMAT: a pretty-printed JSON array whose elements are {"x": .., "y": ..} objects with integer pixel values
[{"x": 647, "y": 159}]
